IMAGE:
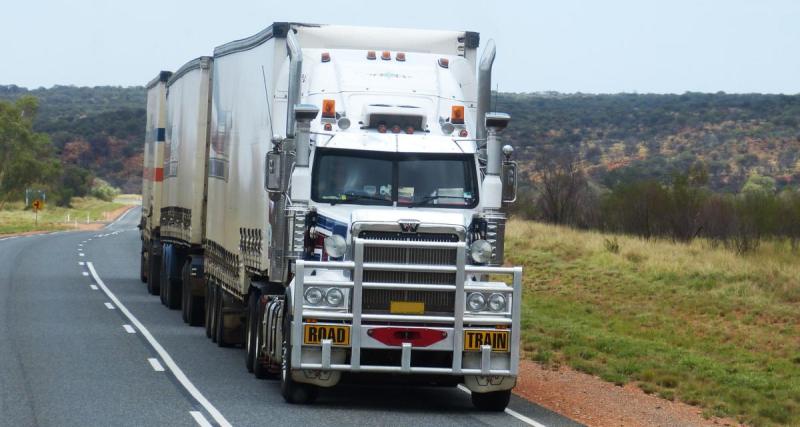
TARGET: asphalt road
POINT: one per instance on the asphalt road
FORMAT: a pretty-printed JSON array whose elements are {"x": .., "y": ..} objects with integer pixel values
[{"x": 82, "y": 343}]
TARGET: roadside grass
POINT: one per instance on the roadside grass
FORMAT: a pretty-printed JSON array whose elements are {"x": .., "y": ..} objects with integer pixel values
[
  {"x": 14, "y": 218},
  {"x": 689, "y": 322}
]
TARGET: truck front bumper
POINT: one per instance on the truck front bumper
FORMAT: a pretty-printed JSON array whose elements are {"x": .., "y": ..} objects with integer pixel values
[{"x": 485, "y": 367}]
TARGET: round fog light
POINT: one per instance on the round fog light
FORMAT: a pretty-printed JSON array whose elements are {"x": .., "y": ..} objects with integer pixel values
[
  {"x": 313, "y": 296},
  {"x": 476, "y": 301},
  {"x": 481, "y": 251},
  {"x": 335, "y": 246},
  {"x": 497, "y": 302},
  {"x": 334, "y": 297}
]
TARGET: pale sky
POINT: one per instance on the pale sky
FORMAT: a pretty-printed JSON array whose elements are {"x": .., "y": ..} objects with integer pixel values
[{"x": 602, "y": 46}]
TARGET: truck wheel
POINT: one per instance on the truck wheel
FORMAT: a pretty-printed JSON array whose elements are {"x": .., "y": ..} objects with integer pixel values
[
  {"x": 292, "y": 391},
  {"x": 260, "y": 370},
  {"x": 153, "y": 272},
  {"x": 493, "y": 401},
  {"x": 252, "y": 329},
  {"x": 142, "y": 267},
  {"x": 209, "y": 308},
  {"x": 173, "y": 293},
  {"x": 219, "y": 319}
]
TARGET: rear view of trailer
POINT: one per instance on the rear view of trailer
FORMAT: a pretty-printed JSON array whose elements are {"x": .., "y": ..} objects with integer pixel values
[{"x": 153, "y": 175}]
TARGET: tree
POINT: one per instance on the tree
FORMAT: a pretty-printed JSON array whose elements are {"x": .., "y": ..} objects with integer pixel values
[
  {"x": 563, "y": 184},
  {"x": 26, "y": 157}
]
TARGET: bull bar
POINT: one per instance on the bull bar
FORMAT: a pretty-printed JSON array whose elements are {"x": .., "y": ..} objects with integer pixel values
[{"x": 355, "y": 316}]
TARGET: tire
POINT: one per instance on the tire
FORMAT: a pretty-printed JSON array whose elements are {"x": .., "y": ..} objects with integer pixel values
[
  {"x": 219, "y": 319},
  {"x": 174, "y": 293},
  {"x": 186, "y": 292},
  {"x": 163, "y": 282},
  {"x": 209, "y": 309},
  {"x": 260, "y": 370},
  {"x": 153, "y": 272},
  {"x": 293, "y": 392},
  {"x": 252, "y": 329},
  {"x": 142, "y": 266},
  {"x": 493, "y": 401}
]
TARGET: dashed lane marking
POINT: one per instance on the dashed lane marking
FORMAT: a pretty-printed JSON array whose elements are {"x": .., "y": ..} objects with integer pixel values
[
  {"x": 129, "y": 329},
  {"x": 201, "y": 420},
  {"x": 155, "y": 364},
  {"x": 109, "y": 306},
  {"x": 94, "y": 287},
  {"x": 180, "y": 376}
]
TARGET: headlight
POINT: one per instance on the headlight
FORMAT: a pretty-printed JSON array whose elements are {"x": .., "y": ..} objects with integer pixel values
[
  {"x": 335, "y": 246},
  {"x": 476, "y": 301},
  {"x": 481, "y": 251},
  {"x": 313, "y": 296},
  {"x": 334, "y": 297},
  {"x": 497, "y": 302}
]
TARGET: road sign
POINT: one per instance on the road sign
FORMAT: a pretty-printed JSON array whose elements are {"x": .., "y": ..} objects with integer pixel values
[{"x": 37, "y": 205}]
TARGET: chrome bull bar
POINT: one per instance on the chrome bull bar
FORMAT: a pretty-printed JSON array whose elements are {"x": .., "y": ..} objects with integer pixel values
[{"x": 355, "y": 316}]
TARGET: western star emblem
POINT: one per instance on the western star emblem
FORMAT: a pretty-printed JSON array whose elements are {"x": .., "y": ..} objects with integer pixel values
[{"x": 408, "y": 225}]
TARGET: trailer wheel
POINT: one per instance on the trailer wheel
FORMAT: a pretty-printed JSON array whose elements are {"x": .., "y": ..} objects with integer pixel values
[
  {"x": 153, "y": 271},
  {"x": 163, "y": 282},
  {"x": 209, "y": 320},
  {"x": 173, "y": 293},
  {"x": 186, "y": 291},
  {"x": 219, "y": 319},
  {"x": 292, "y": 391},
  {"x": 251, "y": 353},
  {"x": 142, "y": 266},
  {"x": 493, "y": 401}
]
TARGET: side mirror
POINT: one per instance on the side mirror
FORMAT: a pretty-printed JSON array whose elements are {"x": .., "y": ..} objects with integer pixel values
[
  {"x": 272, "y": 172},
  {"x": 509, "y": 178}
]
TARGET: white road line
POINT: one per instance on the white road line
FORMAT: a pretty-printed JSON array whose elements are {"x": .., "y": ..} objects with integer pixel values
[
  {"x": 120, "y": 218},
  {"x": 201, "y": 420},
  {"x": 85, "y": 273},
  {"x": 81, "y": 263},
  {"x": 80, "y": 254},
  {"x": 155, "y": 364},
  {"x": 129, "y": 329},
  {"x": 94, "y": 287},
  {"x": 109, "y": 306},
  {"x": 513, "y": 413},
  {"x": 173, "y": 367}
]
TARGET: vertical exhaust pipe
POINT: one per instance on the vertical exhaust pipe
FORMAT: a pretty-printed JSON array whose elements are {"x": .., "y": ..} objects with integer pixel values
[
  {"x": 484, "y": 88},
  {"x": 295, "y": 68}
]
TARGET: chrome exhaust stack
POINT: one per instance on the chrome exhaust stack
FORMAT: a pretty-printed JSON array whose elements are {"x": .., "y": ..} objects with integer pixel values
[
  {"x": 484, "y": 88},
  {"x": 295, "y": 70}
]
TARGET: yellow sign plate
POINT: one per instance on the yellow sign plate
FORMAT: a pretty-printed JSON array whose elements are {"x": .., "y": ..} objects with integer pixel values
[
  {"x": 474, "y": 339},
  {"x": 314, "y": 334},
  {"x": 406, "y": 307},
  {"x": 37, "y": 205}
]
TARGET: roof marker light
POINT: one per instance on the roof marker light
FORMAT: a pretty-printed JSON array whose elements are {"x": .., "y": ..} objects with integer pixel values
[
  {"x": 371, "y": 55},
  {"x": 463, "y": 133},
  {"x": 400, "y": 56},
  {"x": 386, "y": 55},
  {"x": 326, "y": 57},
  {"x": 444, "y": 62},
  {"x": 328, "y": 109},
  {"x": 456, "y": 114}
]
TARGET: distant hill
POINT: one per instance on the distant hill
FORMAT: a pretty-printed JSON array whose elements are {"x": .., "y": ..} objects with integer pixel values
[
  {"x": 626, "y": 137},
  {"x": 620, "y": 137},
  {"x": 98, "y": 128}
]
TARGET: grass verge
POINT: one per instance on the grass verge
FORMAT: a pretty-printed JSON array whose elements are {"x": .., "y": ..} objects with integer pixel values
[
  {"x": 686, "y": 322},
  {"x": 15, "y": 219}
]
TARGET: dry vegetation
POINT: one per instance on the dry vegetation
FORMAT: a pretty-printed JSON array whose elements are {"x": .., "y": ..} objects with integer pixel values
[
  {"x": 15, "y": 219},
  {"x": 683, "y": 321}
]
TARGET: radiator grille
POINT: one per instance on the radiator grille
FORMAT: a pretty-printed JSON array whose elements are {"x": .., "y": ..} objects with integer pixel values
[{"x": 378, "y": 301}]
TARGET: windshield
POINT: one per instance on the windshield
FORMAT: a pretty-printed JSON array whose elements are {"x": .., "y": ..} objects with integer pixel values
[{"x": 386, "y": 179}]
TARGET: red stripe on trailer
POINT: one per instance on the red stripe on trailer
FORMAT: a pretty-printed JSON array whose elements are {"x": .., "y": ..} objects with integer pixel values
[{"x": 158, "y": 174}]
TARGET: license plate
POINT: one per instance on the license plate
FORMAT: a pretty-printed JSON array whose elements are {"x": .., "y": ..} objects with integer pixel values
[
  {"x": 474, "y": 339},
  {"x": 314, "y": 334},
  {"x": 406, "y": 307}
]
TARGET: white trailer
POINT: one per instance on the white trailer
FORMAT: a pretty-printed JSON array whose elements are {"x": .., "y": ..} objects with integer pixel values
[
  {"x": 152, "y": 179},
  {"x": 354, "y": 186},
  {"x": 183, "y": 201}
]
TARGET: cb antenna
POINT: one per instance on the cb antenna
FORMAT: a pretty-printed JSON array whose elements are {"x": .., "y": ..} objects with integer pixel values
[{"x": 269, "y": 109}]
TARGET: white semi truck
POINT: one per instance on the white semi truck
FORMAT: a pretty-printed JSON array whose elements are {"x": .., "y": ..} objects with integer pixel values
[{"x": 349, "y": 212}]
